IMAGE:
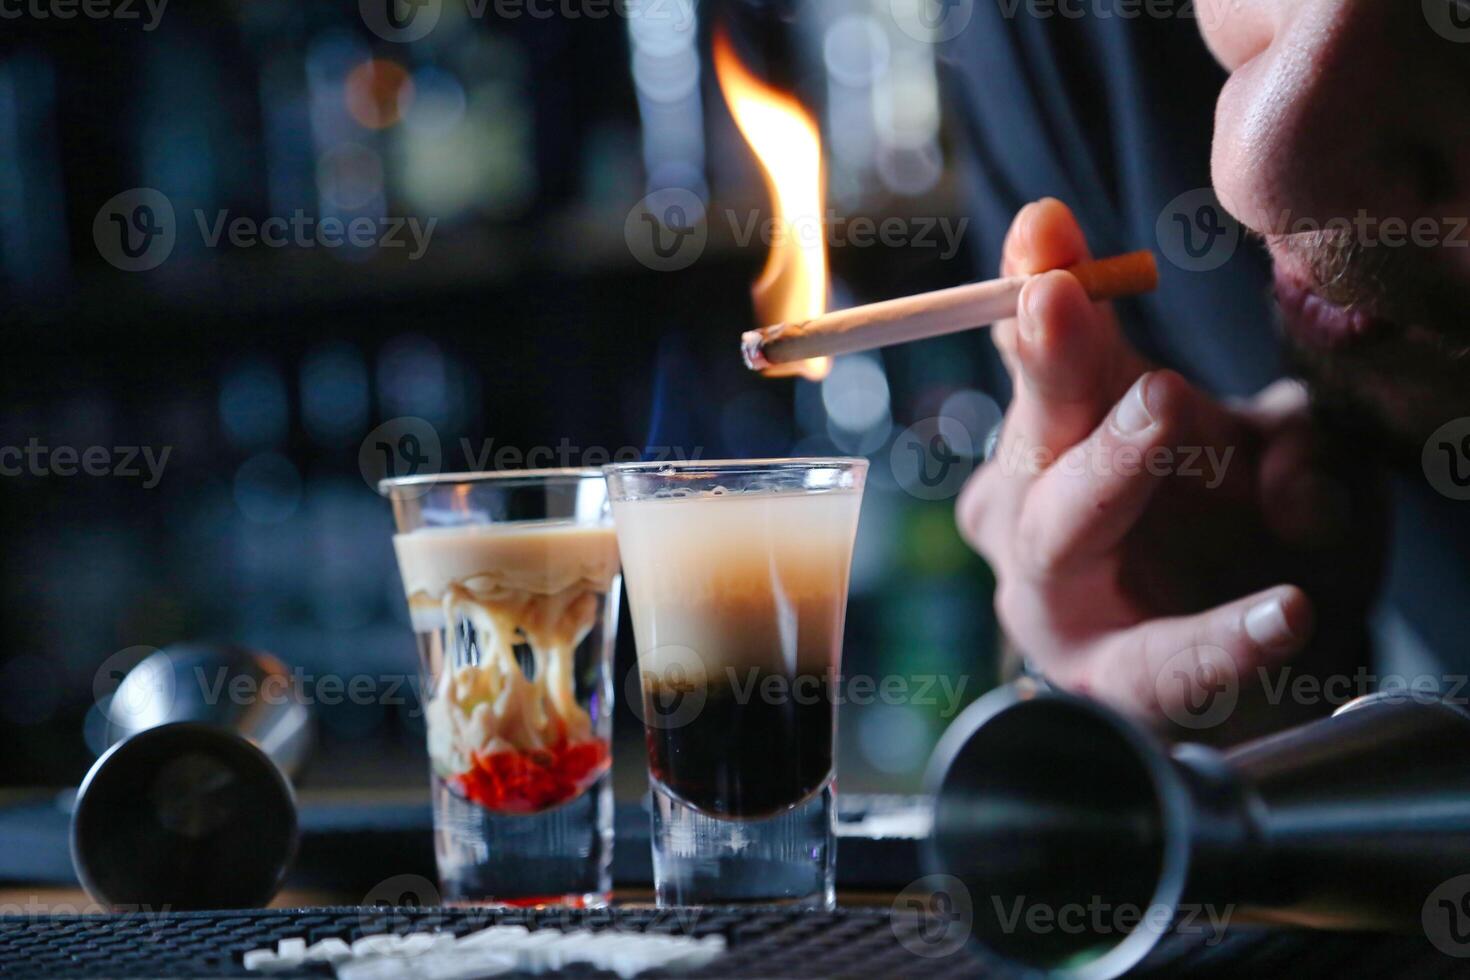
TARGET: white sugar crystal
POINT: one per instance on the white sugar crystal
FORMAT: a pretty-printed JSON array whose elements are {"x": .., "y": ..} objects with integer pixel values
[
  {"x": 416, "y": 943},
  {"x": 379, "y": 945},
  {"x": 456, "y": 965},
  {"x": 627, "y": 963},
  {"x": 493, "y": 935},
  {"x": 291, "y": 951},
  {"x": 374, "y": 968},
  {"x": 614, "y": 940},
  {"x": 460, "y": 965},
  {"x": 260, "y": 959},
  {"x": 538, "y": 951},
  {"x": 328, "y": 951},
  {"x": 696, "y": 958},
  {"x": 574, "y": 946}
]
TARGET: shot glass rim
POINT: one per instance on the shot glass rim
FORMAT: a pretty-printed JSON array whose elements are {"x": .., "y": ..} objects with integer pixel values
[
  {"x": 736, "y": 465},
  {"x": 568, "y": 474}
]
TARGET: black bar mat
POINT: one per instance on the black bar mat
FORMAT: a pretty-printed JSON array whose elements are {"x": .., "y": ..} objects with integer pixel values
[{"x": 762, "y": 942}]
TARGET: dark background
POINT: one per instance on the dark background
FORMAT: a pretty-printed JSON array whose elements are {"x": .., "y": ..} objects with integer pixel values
[{"x": 528, "y": 321}]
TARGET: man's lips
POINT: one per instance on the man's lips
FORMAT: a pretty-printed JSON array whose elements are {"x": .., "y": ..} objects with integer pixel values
[{"x": 1319, "y": 323}]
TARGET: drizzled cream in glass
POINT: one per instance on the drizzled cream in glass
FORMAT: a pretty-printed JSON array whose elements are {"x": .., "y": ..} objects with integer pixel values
[{"x": 501, "y": 612}]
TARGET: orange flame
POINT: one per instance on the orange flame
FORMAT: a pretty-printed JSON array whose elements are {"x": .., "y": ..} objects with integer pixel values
[{"x": 783, "y": 136}]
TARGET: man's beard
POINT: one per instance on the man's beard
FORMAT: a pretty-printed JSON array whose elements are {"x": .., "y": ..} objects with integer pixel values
[
  {"x": 1407, "y": 375},
  {"x": 1381, "y": 399}
]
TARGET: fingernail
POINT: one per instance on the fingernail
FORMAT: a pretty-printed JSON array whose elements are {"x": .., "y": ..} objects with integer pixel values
[
  {"x": 1028, "y": 321},
  {"x": 1266, "y": 624},
  {"x": 1132, "y": 415}
]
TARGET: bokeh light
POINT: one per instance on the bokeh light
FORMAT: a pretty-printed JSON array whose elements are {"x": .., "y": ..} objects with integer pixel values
[{"x": 378, "y": 93}]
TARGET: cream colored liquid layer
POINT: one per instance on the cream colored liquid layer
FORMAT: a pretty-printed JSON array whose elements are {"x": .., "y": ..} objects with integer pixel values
[
  {"x": 534, "y": 584},
  {"x": 741, "y": 579}
]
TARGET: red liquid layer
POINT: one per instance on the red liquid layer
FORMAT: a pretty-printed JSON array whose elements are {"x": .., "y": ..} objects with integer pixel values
[{"x": 529, "y": 782}]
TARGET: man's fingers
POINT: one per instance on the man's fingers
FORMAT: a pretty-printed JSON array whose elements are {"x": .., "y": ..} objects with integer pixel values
[
  {"x": 975, "y": 512},
  {"x": 1065, "y": 351},
  {"x": 1073, "y": 365},
  {"x": 1066, "y": 355},
  {"x": 1190, "y": 669},
  {"x": 1097, "y": 491},
  {"x": 1050, "y": 409},
  {"x": 1093, "y": 496},
  {"x": 1044, "y": 235},
  {"x": 1068, "y": 368}
]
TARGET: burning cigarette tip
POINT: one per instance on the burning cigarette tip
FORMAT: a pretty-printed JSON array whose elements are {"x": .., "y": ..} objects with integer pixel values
[{"x": 752, "y": 348}]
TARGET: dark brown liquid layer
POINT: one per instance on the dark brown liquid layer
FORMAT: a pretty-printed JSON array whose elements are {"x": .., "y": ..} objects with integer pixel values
[{"x": 754, "y": 748}]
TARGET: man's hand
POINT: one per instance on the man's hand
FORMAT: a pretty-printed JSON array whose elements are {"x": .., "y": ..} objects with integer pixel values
[{"x": 1152, "y": 546}]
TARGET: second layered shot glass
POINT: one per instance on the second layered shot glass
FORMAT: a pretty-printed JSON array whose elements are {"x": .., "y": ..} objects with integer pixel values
[{"x": 737, "y": 583}]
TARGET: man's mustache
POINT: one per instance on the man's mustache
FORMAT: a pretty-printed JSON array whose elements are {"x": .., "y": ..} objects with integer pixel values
[
  {"x": 1405, "y": 284},
  {"x": 1341, "y": 269}
]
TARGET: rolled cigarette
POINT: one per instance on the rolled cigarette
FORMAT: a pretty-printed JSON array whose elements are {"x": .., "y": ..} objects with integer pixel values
[{"x": 925, "y": 315}]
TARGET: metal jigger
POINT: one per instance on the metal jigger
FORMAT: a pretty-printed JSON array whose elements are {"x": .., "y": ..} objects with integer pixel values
[
  {"x": 1057, "y": 815},
  {"x": 192, "y": 807}
]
